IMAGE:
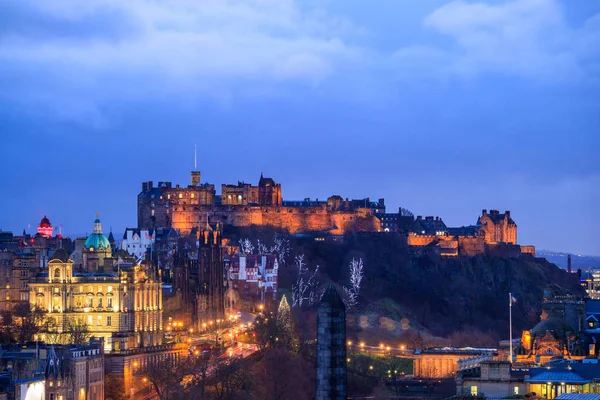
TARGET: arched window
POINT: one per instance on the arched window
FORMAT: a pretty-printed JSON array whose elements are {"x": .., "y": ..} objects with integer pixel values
[{"x": 57, "y": 273}]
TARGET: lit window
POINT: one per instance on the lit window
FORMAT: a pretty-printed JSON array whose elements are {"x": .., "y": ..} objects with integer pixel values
[
  {"x": 99, "y": 320},
  {"x": 90, "y": 320},
  {"x": 109, "y": 289},
  {"x": 473, "y": 390},
  {"x": 168, "y": 196},
  {"x": 516, "y": 390},
  {"x": 192, "y": 195},
  {"x": 181, "y": 195}
]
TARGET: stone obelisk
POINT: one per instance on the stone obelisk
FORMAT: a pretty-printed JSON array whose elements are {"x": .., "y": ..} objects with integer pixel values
[{"x": 331, "y": 347}]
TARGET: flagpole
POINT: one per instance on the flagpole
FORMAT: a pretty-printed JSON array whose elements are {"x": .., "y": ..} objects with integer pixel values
[{"x": 510, "y": 356}]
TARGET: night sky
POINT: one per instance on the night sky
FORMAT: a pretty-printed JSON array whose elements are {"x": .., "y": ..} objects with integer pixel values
[{"x": 444, "y": 108}]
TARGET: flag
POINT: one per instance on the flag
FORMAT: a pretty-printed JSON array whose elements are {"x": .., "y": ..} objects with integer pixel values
[{"x": 513, "y": 299}]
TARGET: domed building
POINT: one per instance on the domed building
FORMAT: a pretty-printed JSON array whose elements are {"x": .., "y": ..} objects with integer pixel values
[
  {"x": 96, "y": 250},
  {"x": 559, "y": 333},
  {"x": 44, "y": 229}
]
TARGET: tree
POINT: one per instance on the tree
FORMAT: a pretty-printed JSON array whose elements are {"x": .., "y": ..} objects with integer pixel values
[
  {"x": 165, "y": 378},
  {"x": 29, "y": 320},
  {"x": 356, "y": 275},
  {"x": 305, "y": 290},
  {"x": 197, "y": 375},
  {"x": 266, "y": 330},
  {"x": 230, "y": 377},
  {"x": 77, "y": 332},
  {"x": 246, "y": 246},
  {"x": 282, "y": 375},
  {"x": 281, "y": 247},
  {"x": 406, "y": 213},
  {"x": 114, "y": 388}
]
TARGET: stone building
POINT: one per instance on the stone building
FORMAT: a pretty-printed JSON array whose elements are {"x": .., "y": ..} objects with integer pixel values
[
  {"x": 75, "y": 372},
  {"x": 186, "y": 208},
  {"x": 497, "y": 228},
  {"x": 252, "y": 280},
  {"x": 331, "y": 347},
  {"x": 444, "y": 362},
  {"x": 120, "y": 303},
  {"x": 492, "y": 378},
  {"x": 211, "y": 276},
  {"x": 16, "y": 269},
  {"x": 560, "y": 332},
  {"x": 137, "y": 242}
]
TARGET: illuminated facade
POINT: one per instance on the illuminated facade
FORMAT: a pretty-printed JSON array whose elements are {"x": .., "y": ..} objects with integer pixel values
[
  {"x": 45, "y": 228},
  {"x": 75, "y": 373},
  {"x": 187, "y": 208},
  {"x": 122, "y": 304}
]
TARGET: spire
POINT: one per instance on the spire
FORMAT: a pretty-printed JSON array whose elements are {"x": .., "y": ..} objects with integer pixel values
[
  {"x": 97, "y": 224},
  {"x": 52, "y": 364}
]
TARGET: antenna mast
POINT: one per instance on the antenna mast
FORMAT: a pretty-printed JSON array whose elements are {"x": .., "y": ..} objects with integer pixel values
[{"x": 194, "y": 156}]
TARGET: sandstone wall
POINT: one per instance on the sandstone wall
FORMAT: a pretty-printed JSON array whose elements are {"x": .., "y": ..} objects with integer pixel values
[{"x": 293, "y": 219}]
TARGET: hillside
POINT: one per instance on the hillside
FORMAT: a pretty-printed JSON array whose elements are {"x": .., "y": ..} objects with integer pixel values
[{"x": 442, "y": 295}]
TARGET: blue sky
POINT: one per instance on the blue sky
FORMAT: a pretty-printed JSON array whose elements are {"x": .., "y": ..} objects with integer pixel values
[{"x": 441, "y": 107}]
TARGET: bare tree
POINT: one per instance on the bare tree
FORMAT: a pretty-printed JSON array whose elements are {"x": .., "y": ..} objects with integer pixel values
[
  {"x": 281, "y": 247},
  {"x": 303, "y": 291},
  {"x": 356, "y": 275},
  {"x": 246, "y": 246},
  {"x": 230, "y": 377},
  {"x": 406, "y": 213},
  {"x": 165, "y": 378},
  {"x": 262, "y": 248},
  {"x": 77, "y": 332}
]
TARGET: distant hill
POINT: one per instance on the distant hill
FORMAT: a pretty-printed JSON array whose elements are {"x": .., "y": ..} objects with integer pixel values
[{"x": 577, "y": 261}]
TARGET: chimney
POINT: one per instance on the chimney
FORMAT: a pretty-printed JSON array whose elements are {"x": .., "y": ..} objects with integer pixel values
[
  {"x": 144, "y": 186},
  {"x": 419, "y": 217},
  {"x": 507, "y": 212},
  {"x": 483, "y": 212},
  {"x": 195, "y": 178},
  {"x": 382, "y": 202},
  {"x": 150, "y": 185},
  {"x": 569, "y": 264}
]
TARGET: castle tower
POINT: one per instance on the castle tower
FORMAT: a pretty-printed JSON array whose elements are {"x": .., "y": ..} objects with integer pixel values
[
  {"x": 195, "y": 178},
  {"x": 331, "y": 347}
]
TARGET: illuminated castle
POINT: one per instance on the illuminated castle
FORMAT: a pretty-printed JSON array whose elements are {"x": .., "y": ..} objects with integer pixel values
[{"x": 185, "y": 208}]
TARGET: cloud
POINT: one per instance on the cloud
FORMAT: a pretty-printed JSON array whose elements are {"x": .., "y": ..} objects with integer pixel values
[
  {"x": 524, "y": 38},
  {"x": 98, "y": 51}
]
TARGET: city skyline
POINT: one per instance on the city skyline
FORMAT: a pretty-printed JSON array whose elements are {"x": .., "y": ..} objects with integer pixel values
[{"x": 397, "y": 100}]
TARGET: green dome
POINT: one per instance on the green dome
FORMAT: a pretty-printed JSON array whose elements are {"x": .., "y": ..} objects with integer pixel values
[{"x": 97, "y": 241}]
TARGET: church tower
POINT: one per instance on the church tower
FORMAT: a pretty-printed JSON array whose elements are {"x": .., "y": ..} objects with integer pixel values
[{"x": 211, "y": 296}]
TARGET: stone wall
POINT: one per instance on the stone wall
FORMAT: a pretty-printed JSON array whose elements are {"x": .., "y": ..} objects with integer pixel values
[
  {"x": 528, "y": 250},
  {"x": 471, "y": 245},
  {"x": 292, "y": 219}
]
